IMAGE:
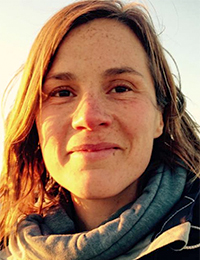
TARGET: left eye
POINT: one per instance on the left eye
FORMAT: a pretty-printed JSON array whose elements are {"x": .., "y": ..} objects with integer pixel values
[
  {"x": 121, "y": 89},
  {"x": 61, "y": 93}
]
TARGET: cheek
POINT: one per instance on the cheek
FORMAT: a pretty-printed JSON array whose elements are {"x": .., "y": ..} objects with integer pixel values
[
  {"x": 139, "y": 127},
  {"x": 139, "y": 120},
  {"x": 52, "y": 133},
  {"x": 52, "y": 144}
]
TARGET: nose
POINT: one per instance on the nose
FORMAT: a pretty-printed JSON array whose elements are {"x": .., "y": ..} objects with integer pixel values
[{"x": 90, "y": 114}]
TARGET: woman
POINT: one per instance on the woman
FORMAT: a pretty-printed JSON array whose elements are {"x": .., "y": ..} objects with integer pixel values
[{"x": 101, "y": 159}]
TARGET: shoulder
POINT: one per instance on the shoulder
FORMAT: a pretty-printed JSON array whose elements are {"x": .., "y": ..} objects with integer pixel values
[{"x": 187, "y": 210}]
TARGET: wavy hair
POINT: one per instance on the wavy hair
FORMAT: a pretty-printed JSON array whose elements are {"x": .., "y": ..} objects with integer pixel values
[{"x": 25, "y": 185}]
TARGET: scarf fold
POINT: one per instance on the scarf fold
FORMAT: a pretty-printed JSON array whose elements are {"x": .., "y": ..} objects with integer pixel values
[{"x": 53, "y": 237}]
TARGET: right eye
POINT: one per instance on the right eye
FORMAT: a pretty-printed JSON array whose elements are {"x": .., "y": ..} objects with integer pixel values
[{"x": 61, "y": 92}]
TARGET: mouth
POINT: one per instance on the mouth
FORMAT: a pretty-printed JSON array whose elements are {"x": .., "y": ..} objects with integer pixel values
[{"x": 94, "y": 148}]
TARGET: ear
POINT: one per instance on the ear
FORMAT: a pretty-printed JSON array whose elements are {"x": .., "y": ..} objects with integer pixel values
[{"x": 159, "y": 125}]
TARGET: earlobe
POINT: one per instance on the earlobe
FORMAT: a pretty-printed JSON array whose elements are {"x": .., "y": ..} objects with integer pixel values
[{"x": 159, "y": 125}]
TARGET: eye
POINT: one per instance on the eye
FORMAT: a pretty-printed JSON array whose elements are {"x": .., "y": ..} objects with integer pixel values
[
  {"x": 120, "y": 89},
  {"x": 61, "y": 92}
]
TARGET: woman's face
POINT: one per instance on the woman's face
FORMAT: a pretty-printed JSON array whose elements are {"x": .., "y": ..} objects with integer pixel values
[{"x": 98, "y": 122}]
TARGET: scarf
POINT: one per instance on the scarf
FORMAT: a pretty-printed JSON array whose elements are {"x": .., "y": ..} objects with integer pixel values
[{"x": 53, "y": 237}]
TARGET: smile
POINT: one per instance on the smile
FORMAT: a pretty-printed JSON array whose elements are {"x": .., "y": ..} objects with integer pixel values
[{"x": 94, "y": 151}]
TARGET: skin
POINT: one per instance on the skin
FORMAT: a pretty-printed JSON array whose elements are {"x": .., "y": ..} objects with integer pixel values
[{"x": 99, "y": 118}]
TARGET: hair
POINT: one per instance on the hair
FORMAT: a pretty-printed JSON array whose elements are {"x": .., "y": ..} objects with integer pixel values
[{"x": 26, "y": 186}]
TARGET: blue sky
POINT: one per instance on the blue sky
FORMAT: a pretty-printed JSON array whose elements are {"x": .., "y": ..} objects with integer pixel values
[{"x": 178, "y": 20}]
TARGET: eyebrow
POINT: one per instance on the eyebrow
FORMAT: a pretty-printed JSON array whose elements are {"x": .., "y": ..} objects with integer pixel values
[
  {"x": 62, "y": 76},
  {"x": 121, "y": 70},
  {"x": 107, "y": 73}
]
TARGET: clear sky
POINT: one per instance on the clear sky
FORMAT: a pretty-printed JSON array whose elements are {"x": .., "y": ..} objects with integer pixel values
[{"x": 177, "y": 22}]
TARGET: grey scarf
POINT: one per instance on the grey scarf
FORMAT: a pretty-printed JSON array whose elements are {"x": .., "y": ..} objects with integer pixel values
[{"x": 54, "y": 237}]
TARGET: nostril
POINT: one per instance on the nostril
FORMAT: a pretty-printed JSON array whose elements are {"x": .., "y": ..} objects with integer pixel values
[{"x": 102, "y": 123}]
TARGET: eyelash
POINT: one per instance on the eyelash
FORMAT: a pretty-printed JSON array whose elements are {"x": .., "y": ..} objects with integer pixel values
[
  {"x": 57, "y": 91},
  {"x": 121, "y": 88}
]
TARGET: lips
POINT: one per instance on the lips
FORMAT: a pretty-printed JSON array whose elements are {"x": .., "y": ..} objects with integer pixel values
[{"x": 94, "y": 147}]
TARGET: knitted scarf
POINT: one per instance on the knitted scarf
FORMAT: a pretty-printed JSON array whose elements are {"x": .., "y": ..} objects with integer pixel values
[{"x": 53, "y": 237}]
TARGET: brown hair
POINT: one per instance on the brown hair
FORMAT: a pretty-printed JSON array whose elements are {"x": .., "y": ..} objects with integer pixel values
[{"x": 26, "y": 186}]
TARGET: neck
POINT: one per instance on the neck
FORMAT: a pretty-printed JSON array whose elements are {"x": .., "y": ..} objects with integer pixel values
[{"x": 90, "y": 213}]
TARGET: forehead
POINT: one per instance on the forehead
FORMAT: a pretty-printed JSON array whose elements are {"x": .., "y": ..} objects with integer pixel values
[
  {"x": 98, "y": 24},
  {"x": 102, "y": 26},
  {"x": 100, "y": 39},
  {"x": 103, "y": 30}
]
